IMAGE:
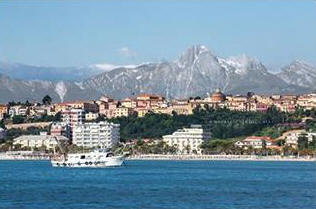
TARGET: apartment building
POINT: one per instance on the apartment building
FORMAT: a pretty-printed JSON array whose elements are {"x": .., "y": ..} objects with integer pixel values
[
  {"x": 72, "y": 118},
  {"x": 102, "y": 134}
]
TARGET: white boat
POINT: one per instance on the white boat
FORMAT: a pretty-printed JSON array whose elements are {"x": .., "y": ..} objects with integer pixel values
[{"x": 96, "y": 159}]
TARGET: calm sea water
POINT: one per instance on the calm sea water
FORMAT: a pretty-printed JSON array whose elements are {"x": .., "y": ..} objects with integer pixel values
[{"x": 160, "y": 184}]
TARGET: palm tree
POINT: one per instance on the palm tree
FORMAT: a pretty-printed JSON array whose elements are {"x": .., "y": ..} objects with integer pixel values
[{"x": 187, "y": 148}]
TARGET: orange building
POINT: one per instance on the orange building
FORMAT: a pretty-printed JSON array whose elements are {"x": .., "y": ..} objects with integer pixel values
[
  {"x": 3, "y": 110},
  {"x": 88, "y": 106},
  {"x": 218, "y": 96},
  {"x": 150, "y": 101}
]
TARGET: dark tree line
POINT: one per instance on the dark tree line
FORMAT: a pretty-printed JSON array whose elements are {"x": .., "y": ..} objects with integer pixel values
[{"x": 223, "y": 123}]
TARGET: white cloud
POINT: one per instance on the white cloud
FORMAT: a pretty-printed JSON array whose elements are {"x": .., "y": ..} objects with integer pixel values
[
  {"x": 105, "y": 66},
  {"x": 127, "y": 52},
  {"x": 108, "y": 67}
]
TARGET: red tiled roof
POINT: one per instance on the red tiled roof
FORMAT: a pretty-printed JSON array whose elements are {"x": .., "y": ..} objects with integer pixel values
[{"x": 259, "y": 137}]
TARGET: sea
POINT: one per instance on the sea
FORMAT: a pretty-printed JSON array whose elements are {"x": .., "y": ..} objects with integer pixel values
[{"x": 160, "y": 184}]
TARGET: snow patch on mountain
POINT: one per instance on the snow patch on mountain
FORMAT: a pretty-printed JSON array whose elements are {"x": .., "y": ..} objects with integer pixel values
[
  {"x": 80, "y": 85},
  {"x": 61, "y": 90}
]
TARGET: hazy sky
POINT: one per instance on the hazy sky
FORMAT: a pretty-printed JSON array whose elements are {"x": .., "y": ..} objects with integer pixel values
[{"x": 78, "y": 32}]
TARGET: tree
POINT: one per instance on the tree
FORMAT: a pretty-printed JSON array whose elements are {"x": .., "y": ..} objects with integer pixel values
[
  {"x": 2, "y": 124},
  {"x": 27, "y": 103},
  {"x": 312, "y": 144},
  {"x": 187, "y": 149},
  {"x": 47, "y": 100},
  {"x": 302, "y": 142},
  {"x": 17, "y": 119},
  {"x": 100, "y": 118}
]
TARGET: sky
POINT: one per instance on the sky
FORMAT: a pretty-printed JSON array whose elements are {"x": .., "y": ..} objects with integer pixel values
[{"x": 85, "y": 32}]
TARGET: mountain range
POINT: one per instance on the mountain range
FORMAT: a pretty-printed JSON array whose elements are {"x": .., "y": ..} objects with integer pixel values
[{"x": 195, "y": 73}]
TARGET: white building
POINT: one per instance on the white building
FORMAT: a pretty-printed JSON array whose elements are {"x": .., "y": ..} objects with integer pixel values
[
  {"x": 91, "y": 116},
  {"x": 18, "y": 110},
  {"x": 256, "y": 142},
  {"x": 102, "y": 134},
  {"x": 292, "y": 138},
  {"x": 37, "y": 141},
  {"x": 188, "y": 140}
]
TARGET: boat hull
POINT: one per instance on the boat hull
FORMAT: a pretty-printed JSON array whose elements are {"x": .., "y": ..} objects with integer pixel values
[{"x": 108, "y": 162}]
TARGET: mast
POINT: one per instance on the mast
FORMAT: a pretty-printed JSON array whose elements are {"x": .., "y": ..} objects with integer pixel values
[{"x": 62, "y": 150}]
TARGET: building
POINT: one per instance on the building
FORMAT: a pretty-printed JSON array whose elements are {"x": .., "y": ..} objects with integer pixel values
[
  {"x": 218, "y": 96},
  {"x": 18, "y": 110},
  {"x": 87, "y": 106},
  {"x": 238, "y": 103},
  {"x": 261, "y": 107},
  {"x": 292, "y": 138},
  {"x": 167, "y": 110},
  {"x": 102, "y": 134},
  {"x": 72, "y": 118},
  {"x": 39, "y": 141},
  {"x": 256, "y": 142},
  {"x": 182, "y": 107},
  {"x": 39, "y": 110},
  {"x": 129, "y": 102},
  {"x": 107, "y": 106},
  {"x": 188, "y": 140},
  {"x": 91, "y": 116},
  {"x": 150, "y": 101},
  {"x": 123, "y": 112},
  {"x": 141, "y": 112},
  {"x": 59, "y": 129},
  {"x": 3, "y": 111},
  {"x": 307, "y": 101}
]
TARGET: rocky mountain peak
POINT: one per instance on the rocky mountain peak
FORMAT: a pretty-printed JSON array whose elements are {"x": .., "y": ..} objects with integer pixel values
[
  {"x": 242, "y": 65},
  {"x": 298, "y": 66},
  {"x": 192, "y": 54},
  {"x": 299, "y": 73}
]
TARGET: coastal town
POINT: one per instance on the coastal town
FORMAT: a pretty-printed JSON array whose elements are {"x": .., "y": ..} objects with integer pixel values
[{"x": 91, "y": 124}]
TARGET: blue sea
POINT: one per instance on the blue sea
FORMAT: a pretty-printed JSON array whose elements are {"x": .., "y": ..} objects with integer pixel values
[{"x": 160, "y": 184}]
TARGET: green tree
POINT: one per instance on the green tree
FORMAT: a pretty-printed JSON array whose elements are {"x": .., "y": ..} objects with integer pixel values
[
  {"x": 17, "y": 119},
  {"x": 302, "y": 142},
  {"x": 47, "y": 100},
  {"x": 2, "y": 124}
]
